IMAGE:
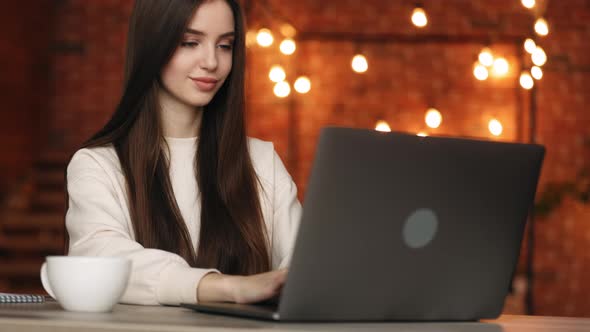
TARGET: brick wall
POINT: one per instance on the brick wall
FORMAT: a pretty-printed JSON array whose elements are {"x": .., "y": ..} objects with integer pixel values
[
  {"x": 404, "y": 79},
  {"x": 26, "y": 33}
]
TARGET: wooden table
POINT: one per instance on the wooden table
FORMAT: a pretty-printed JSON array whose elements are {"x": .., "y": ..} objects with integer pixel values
[{"x": 49, "y": 317}]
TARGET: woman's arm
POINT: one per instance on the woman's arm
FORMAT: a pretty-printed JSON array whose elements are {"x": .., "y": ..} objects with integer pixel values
[{"x": 241, "y": 289}]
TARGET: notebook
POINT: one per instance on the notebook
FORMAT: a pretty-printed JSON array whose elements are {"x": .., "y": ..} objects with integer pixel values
[
  {"x": 399, "y": 227},
  {"x": 21, "y": 298}
]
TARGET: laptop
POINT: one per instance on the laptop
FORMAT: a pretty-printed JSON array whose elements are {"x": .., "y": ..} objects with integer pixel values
[{"x": 397, "y": 227}]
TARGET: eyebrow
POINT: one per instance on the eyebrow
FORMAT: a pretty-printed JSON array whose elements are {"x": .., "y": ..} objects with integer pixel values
[{"x": 201, "y": 33}]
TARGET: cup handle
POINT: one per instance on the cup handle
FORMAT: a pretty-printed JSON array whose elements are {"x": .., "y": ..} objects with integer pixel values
[{"x": 45, "y": 280}]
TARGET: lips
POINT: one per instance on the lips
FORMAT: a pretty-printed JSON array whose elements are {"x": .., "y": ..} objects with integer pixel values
[{"x": 205, "y": 83}]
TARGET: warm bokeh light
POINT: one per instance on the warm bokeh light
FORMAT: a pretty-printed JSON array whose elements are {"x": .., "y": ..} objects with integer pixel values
[
  {"x": 264, "y": 38},
  {"x": 359, "y": 63},
  {"x": 422, "y": 134},
  {"x": 530, "y": 45},
  {"x": 288, "y": 46},
  {"x": 282, "y": 89},
  {"x": 250, "y": 38},
  {"x": 382, "y": 126},
  {"x": 486, "y": 57},
  {"x": 480, "y": 72},
  {"x": 277, "y": 74},
  {"x": 419, "y": 17},
  {"x": 302, "y": 85},
  {"x": 537, "y": 72},
  {"x": 433, "y": 118},
  {"x": 288, "y": 30},
  {"x": 539, "y": 57},
  {"x": 541, "y": 27},
  {"x": 500, "y": 67},
  {"x": 528, "y": 3},
  {"x": 495, "y": 127},
  {"x": 526, "y": 81}
]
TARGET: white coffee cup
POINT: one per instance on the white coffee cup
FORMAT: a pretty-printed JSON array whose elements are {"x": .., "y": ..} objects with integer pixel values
[{"x": 89, "y": 284}]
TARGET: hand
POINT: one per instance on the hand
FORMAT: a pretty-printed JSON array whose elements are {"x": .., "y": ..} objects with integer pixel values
[
  {"x": 216, "y": 287},
  {"x": 258, "y": 287}
]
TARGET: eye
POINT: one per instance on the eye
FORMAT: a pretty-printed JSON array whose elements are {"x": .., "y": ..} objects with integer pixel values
[
  {"x": 227, "y": 47},
  {"x": 189, "y": 44}
]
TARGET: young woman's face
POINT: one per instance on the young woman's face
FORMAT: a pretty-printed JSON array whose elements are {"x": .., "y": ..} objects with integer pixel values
[{"x": 203, "y": 60}]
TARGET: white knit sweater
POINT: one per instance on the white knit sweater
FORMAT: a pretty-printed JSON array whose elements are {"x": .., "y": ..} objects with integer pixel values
[{"x": 98, "y": 220}]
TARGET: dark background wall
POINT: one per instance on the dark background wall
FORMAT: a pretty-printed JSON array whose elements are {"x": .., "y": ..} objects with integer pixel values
[{"x": 64, "y": 64}]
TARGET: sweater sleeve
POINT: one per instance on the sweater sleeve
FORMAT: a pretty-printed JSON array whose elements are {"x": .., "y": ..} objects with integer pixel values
[
  {"x": 287, "y": 214},
  {"x": 96, "y": 225}
]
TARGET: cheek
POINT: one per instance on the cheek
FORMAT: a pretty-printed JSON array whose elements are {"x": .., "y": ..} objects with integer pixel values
[{"x": 177, "y": 69}]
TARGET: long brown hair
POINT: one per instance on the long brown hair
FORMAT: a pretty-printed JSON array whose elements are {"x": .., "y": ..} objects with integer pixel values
[{"x": 232, "y": 236}]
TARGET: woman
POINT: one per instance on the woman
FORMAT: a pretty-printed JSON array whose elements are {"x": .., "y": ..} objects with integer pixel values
[{"x": 171, "y": 181}]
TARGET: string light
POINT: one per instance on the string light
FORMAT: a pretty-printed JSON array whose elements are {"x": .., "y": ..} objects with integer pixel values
[
  {"x": 359, "y": 63},
  {"x": 419, "y": 17},
  {"x": 480, "y": 72},
  {"x": 288, "y": 46},
  {"x": 486, "y": 57},
  {"x": 530, "y": 4},
  {"x": 537, "y": 72},
  {"x": 495, "y": 127},
  {"x": 282, "y": 89},
  {"x": 277, "y": 74},
  {"x": 382, "y": 126},
  {"x": 541, "y": 27},
  {"x": 288, "y": 30},
  {"x": 539, "y": 57},
  {"x": 250, "y": 38},
  {"x": 302, "y": 85},
  {"x": 264, "y": 37},
  {"x": 500, "y": 67},
  {"x": 526, "y": 81},
  {"x": 530, "y": 45},
  {"x": 433, "y": 118}
]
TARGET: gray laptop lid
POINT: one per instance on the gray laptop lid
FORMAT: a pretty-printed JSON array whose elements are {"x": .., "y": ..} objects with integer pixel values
[{"x": 401, "y": 227}]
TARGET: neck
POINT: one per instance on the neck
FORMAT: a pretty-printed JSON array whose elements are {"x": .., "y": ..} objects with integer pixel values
[{"x": 179, "y": 120}]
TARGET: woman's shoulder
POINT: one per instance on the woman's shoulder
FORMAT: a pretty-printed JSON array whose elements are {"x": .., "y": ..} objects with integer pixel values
[
  {"x": 101, "y": 159},
  {"x": 263, "y": 157}
]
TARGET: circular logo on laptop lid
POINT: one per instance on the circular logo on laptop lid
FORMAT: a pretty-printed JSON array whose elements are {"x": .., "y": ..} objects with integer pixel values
[{"x": 420, "y": 228}]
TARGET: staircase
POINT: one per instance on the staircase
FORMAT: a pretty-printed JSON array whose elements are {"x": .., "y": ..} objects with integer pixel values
[{"x": 32, "y": 224}]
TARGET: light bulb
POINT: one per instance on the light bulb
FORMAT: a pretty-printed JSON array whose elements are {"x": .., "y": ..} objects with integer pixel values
[
  {"x": 486, "y": 57},
  {"x": 288, "y": 30},
  {"x": 359, "y": 63},
  {"x": 277, "y": 74},
  {"x": 528, "y": 3},
  {"x": 495, "y": 127},
  {"x": 526, "y": 81},
  {"x": 382, "y": 126},
  {"x": 433, "y": 118},
  {"x": 282, "y": 89},
  {"x": 537, "y": 72},
  {"x": 541, "y": 27},
  {"x": 264, "y": 38},
  {"x": 419, "y": 17},
  {"x": 302, "y": 85},
  {"x": 288, "y": 46},
  {"x": 500, "y": 67},
  {"x": 480, "y": 72},
  {"x": 539, "y": 57},
  {"x": 530, "y": 45},
  {"x": 250, "y": 38}
]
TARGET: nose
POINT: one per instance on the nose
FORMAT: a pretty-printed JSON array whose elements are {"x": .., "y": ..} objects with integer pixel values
[{"x": 209, "y": 58}]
